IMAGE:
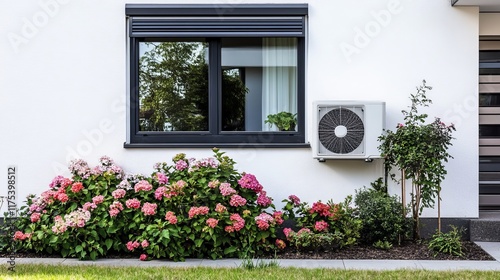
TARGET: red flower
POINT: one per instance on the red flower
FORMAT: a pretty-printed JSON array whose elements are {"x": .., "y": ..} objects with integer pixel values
[
  {"x": 322, "y": 209},
  {"x": 77, "y": 187}
]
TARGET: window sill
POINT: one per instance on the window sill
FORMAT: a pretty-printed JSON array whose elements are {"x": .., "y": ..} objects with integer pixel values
[{"x": 218, "y": 145}]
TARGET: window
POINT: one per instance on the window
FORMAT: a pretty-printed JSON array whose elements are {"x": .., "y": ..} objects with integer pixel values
[{"x": 209, "y": 75}]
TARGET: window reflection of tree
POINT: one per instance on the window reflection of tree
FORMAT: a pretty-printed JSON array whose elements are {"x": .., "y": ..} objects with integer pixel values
[{"x": 173, "y": 89}]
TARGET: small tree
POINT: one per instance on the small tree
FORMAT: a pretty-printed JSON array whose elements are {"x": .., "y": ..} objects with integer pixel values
[{"x": 420, "y": 150}]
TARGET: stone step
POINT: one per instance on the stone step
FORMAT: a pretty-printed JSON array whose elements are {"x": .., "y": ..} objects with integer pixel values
[{"x": 486, "y": 228}]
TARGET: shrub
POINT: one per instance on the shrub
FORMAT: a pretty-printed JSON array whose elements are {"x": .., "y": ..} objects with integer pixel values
[
  {"x": 420, "y": 149},
  {"x": 191, "y": 208},
  {"x": 305, "y": 240},
  {"x": 383, "y": 245},
  {"x": 382, "y": 216},
  {"x": 448, "y": 243},
  {"x": 326, "y": 218}
]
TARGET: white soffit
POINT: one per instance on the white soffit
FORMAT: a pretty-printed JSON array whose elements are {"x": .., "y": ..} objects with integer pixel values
[{"x": 484, "y": 5}]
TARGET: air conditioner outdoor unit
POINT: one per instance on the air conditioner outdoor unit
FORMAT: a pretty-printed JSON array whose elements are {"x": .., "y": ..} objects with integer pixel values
[{"x": 348, "y": 129}]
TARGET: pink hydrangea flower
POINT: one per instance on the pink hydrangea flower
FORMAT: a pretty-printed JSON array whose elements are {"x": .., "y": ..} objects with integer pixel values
[
  {"x": 19, "y": 235},
  {"x": 143, "y": 257},
  {"x": 115, "y": 208},
  {"x": 248, "y": 181},
  {"x": 65, "y": 182},
  {"x": 238, "y": 221},
  {"x": 161, "y": 178},
  {"x": 264, "y": 200},
  {"x": 278, "y": 217},
  {"x": 35, "y": 217},
  {"x": 226, "y": 190},
  {"x": 264, "y": 220},
  {"x": 59, "y": 225},
  {"x": 118, "y": 193},
  {"x": 89, "y": 206},
  {"x": 144, "y": 243},
  {"x": 213, "y": 184},
  {"x": 38, "y": 205},
  {"x": 181, "y": 165},
  {"x": 77, "y": 218},
  {"x": 143, "y": 185},
  {"x": 133, "y": 203},
  {"x": 124, "y": 184},
  {"x": 211, "y": 222},
  {"x": 149, "y": 209},
  {"x": 62, "y": 197},
  {"x": 160, "y": 193},
  {"x": 204, "y": 162},
  {"x": 287, "y": 231},
  {"x": 106, "y": 161},
  {"x": 321, "y": 226},
  {"x": 48, "y": 197},
  {"x": 56, "y": 182},
  {"x": 131, "y": 246},
  {"x": 229, "y": 229},
  {"x": 237, "y": 200},
  {"x": 113, "y": 212},
  {"x": 303, "y": 230},
  {"x": 262, "y": 225},
  {"x": 294, "y": 199},
  {"x": 171, "y": 218},
  {"x": 98, "y": 199},
  {"x": 219, "y": 208},
  {"x": 195, "y": 211},
  {"x": 76, "y": 187},
  {"x": 322, "y": 209},
  {"x": 80, "y": 168}
]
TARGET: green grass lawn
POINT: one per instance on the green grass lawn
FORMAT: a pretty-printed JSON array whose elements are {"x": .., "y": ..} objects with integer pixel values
[{"x": 45, "y": 272}]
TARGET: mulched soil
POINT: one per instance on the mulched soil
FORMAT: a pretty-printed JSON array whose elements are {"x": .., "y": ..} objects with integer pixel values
[{"x": 406, "y": 251}]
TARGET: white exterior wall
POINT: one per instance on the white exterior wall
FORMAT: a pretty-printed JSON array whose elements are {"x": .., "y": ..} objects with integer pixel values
[{"x": 63, "y": 87}]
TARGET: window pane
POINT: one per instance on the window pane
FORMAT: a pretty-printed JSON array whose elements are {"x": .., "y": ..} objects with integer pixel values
[
  {"x": 259, "y": 78},
  {"x": 489, "y": 100},
  {"x": 486, "y": 131},
  {"x": 173, "y": 85}
]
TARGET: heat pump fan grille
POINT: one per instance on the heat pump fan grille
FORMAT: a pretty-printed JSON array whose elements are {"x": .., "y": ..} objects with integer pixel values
[{"x": 341, "y": 131}]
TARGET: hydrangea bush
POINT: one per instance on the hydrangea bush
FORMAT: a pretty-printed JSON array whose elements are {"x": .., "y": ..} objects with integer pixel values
[
  {"x": 191, "y": 208},
  {"x": 333, "y": 224}
]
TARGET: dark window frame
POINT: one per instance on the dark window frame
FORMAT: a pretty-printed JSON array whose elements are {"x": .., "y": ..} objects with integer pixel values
[{"x": 215, "y": 136}]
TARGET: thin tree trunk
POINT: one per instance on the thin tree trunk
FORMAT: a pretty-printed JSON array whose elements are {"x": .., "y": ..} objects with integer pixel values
[
  {"x": 416, "y": 209},
  {"x": 439, "y": 211},
  {"x": 403, "y": 192}
]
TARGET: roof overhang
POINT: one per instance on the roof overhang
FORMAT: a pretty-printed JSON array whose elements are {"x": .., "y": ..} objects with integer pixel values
[{"x": 484, "y": 5}]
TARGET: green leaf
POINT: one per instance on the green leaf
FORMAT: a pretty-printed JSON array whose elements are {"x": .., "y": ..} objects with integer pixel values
[
  {"x": 112, "y": 229},
  {"x": 109, "y": 243},
  {"x": 165, "y": 234},
  {"x": 198, "y": 242},
  {"x": 54, "y": 239},
  {"x": 64, "y": 252},
  {"x": 78, "y": 248},
  {"x": 83, "y": 254},
  {"x": 230, "y": 250},
  {"x": 93, "y": 255}
]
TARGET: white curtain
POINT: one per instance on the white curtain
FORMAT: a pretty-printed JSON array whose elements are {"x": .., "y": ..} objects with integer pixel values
[{"x": 279, "y": 82}]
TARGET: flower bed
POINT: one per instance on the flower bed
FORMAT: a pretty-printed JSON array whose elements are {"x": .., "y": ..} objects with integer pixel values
[
  {"x": 197, "y": 208},
  {"x": 192, "y": 208}
]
